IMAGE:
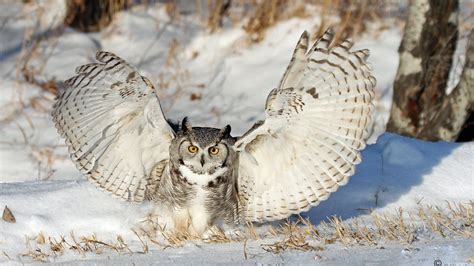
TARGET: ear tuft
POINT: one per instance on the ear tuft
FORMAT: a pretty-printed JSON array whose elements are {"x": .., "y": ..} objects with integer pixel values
[
  {"x": 225, "y": 131},
  {"x": 185, "y": 125}
]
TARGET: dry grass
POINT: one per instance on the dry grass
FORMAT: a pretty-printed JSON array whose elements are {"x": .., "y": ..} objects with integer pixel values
[
  {"x": 217, "y": 9},
  {"x": 42, "y": 247},
  {"x": 295, "y": 237},
  {"x": 37, "y": 49},
  {"x": 173, "y": 79},
  {"x": 265, "y": 15},
  {"x": 347, "y": 17},
  {"x": 451, "y": 221},
  {"x": 454, "y": 221}
]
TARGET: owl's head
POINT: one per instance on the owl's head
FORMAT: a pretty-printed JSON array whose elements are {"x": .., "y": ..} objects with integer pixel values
[{"x": 202, "y": 150}]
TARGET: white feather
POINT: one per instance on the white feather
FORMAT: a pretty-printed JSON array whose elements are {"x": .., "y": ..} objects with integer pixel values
[
  {"x": 200, "y": 179},
  {"x": 316, "y": 124},
  {"x": 197, "y": 210},
  {"x": 112, "y": 121}
]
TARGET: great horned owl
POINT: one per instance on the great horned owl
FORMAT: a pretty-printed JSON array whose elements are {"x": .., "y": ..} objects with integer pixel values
[{"x": 307, "y": 146}]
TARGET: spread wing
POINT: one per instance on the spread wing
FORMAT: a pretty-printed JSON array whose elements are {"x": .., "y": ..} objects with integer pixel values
[
  {"x": 113, "y": 124},
  {"x": 316, "y": 124}
]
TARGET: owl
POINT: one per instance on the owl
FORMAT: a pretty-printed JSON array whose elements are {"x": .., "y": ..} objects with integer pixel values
[{"x": 308, "y": 145}]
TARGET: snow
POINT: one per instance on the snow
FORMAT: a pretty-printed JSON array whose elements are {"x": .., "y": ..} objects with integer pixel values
[
  {"x": 404, "y": 172},
  {"x": 232, "y": 78},
  {"x": 448, "y": 251}
]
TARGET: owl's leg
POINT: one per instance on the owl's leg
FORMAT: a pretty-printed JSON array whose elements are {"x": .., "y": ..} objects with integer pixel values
[
  {"x": 187, "y": 221},
  {"x": 199, "y": 224},
  {"x": 181, "y": 221}
]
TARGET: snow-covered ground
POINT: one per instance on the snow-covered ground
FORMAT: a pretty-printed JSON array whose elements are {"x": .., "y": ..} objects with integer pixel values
[{"x": 214, "y": 79}]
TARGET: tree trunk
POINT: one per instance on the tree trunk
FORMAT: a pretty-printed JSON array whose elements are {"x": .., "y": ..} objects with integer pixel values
[
  {"x": 454, "y": 116},
  {"x": 92, "y": 15},
  {"x": 426, "y": 55}
]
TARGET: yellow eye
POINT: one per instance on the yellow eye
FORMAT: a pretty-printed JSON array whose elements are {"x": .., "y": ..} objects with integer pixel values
[
  {"x": 213, "y": 150},
  {"x": 192, "y": 149}
]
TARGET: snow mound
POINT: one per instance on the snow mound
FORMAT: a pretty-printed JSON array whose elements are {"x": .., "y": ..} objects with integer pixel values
[{"x": 398, "y": 171}]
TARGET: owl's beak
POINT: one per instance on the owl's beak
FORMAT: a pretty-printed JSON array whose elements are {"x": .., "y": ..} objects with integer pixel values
[{"x": 202, "y": 160}]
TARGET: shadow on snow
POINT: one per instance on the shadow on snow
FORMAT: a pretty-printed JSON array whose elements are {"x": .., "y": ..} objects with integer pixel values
[{"x": 389, "y": 169}]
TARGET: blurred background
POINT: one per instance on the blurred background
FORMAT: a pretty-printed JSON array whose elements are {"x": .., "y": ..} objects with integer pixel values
[{"x": 216, "y": 61}]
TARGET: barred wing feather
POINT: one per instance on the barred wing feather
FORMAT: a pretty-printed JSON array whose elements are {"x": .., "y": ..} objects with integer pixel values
[
  {"x": 111, "y": 119},
  {"x": 316, "y": 124}
]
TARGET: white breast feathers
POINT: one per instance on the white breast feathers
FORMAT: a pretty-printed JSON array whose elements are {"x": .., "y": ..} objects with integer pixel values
[{"x": 200, "y": 180}]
